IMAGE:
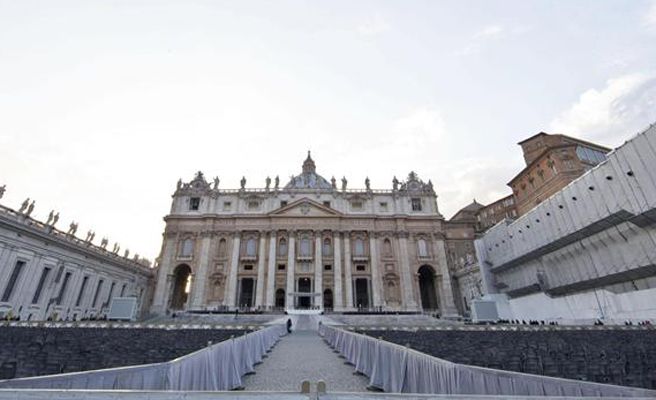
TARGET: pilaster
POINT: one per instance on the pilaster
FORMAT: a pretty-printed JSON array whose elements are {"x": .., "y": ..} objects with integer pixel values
[
  {"x": 376, "y": 284},
  {"x": 318, "y": 270},
  {"x": 338, "y": 302},
  {"x": 230, "y": 299},
  {"x": 271, "y": 271},
  {"x": 348, "y": 279},
  {"x": 259, "y": 288},
  {"x": 291, "y": 269}
]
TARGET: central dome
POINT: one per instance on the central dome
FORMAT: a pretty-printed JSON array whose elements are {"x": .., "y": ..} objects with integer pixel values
[{"x": 308, "y": 179}]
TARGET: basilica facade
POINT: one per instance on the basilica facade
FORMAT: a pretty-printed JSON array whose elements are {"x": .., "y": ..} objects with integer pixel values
[{"x": 311, "y": 243}]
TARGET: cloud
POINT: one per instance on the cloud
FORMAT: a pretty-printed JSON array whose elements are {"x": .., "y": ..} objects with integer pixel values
[
  {"x": 423, "y": 126},
  {"x": 489, "y": 31},
  {"x": 650, "y": 16},
  {"x": 613, "y": 114},
  {"x": 373, "y": 26}
]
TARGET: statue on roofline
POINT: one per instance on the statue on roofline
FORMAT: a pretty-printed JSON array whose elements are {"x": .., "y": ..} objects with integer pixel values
[
  {"x": 243, "y": 182},
  {"x": 216, "y": 183},
  {"x": 344, "y": 183},
  {"x": 277, "y": 181},
  {"x": 23, "y": 206}
]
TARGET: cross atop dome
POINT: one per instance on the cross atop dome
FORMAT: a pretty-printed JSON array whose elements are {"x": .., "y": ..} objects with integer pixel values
[{"x": 308, "y": 165}]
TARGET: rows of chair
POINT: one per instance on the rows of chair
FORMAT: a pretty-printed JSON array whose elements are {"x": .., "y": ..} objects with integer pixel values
[
  {"x": 42, "y": 351},
  {"x": 606, "y": 356}
]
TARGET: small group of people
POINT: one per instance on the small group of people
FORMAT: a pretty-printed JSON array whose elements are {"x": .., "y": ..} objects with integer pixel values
[
  {"x": 640, "y": 323},
  {"x": 529, "y": 322}
]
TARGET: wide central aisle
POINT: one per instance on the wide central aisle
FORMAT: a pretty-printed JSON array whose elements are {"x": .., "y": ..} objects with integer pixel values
[{"x": 303, "y": 355}]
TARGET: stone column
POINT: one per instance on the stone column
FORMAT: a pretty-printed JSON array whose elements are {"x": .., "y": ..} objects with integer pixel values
[
  {"x": 230, "y": 299},
  {"x": 271, "y": 272},
  {"x": 200, "y": 277},
  {"x": 407, "y": 291},
  {"x": 448, "y": 305},
  {"x": 338, "y": 303},
  {"x": 261, "y": 252},
  {"x": 318, "y": 270},
  {"x": 376, "y": 284},
  {"x": 162, "y": 292},
  {"x": 348, "y": 280},
  {"x": 291, "y": 270}
]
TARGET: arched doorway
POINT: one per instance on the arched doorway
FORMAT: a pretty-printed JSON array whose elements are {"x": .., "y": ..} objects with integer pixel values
[
  {"x": 280, "y": 298},
  {"x": 362, "y": 293},
  {"x": 304, "y": 286},
  {"x": 327, "y": 299},
  {"x": 246, "y": 292},
  {"x": 181, "y": 275},
  {"x": 427, "y": 288}
]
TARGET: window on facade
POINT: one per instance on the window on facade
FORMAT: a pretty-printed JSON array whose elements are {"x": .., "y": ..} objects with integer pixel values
[
  {"x": 281, "y": 267},
  {"x": 589, "y": 155},
  {"x": 194, "y": 203},
  {"x": 327, "y": 248},
  {"x": 359, "y": 247},
  {"x": 253, "y": 205},
  {"x": 360, "y": 267},
  {"x": 422, "y": 248},
  {"x": 222, "y": 248},
  {"x": 327, "y": 267},
  {"x": 416, "y": 204},
  {"x": 248, "y": 267},
  {"x": 125, "y": 286},
  {"x": 187, "y": 248},
  {"x": 15, "y": 274},
  {"x": 306, "y": 247},
  {"x": 64, "y": 286},
  {"x": 283, "y": 203},
  {"x": 326, "y": 204},
  {"x": 282, "y": 247},
  {"x": 111, "y": 291},
  {"x": 356, "y": 205},
  {"x": 80, "y": 295},
  {"x": 387, "y": 247},
  {"x": 383, "y": 206},
  {"x": 95, "y": 296},
  {"x": 39, "y": 287},
  {"x": 251, "y": 247},
  {"x": 227, "y": 206}
]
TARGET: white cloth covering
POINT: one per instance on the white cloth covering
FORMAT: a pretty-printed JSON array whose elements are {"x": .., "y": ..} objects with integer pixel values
[
  {"x": 397, "y": 369},
  {"x": 218, "y": 367}
]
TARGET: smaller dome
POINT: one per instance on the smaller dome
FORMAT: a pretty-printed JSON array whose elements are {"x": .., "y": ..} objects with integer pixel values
[{"x": 308, "y": 179}]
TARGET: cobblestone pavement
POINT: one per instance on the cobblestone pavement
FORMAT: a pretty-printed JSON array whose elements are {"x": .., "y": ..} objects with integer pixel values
[{"x": 304, "y": 355}]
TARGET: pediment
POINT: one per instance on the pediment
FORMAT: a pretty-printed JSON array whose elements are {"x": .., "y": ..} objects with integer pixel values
[{"x": 305, "y": 208}]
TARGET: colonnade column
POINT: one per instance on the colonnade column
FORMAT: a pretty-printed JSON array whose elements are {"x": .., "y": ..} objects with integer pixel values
[
  {"x": 407, "y": 291},
  {"x": 448, "y": 305},
  {"x": 271, "y": 271},
  {"x": 348, "y": 280},
  {"x": 230, "y": 297},
  {"x": 162, "y": 292},
  {"x": 259, "y": 288},
  {"x": 318, "y": 271},
  {"x": 291, "y": 269},
  {"x": 376, "y": 285},
  {"x": 200, "y": 277},
  {"x": 338, "y": 304}
]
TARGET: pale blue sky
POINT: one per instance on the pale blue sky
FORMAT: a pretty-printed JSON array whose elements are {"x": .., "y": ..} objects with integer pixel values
[{"x": 104, "y": 105}]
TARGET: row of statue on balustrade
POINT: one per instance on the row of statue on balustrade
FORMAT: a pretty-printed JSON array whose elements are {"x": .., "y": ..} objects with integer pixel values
[{"x": 27, "y": 207}]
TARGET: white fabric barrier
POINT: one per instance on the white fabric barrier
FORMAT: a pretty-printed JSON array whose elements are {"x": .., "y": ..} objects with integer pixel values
[
  {"x": 218, "y": 367},
  {"x": 397, "y": 369}
]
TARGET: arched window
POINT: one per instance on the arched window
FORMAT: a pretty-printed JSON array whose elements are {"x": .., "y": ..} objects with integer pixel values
[
  {"x": 306, "y": 247},
  {"x": 222, "y": 248},
  {"x": 359, "y": 247},
  {"x": 327, "y": 248},
  {"x": 422, "y": 248},
  {"x": 187, "y": 247},
  {"x": 387, "y": 247},
  {"x": 251, "y": 247},
  {"x": 282, "y": 247}
]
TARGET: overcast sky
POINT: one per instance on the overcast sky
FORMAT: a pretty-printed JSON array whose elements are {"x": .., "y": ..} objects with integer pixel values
[{"x": 105, "y": 104}]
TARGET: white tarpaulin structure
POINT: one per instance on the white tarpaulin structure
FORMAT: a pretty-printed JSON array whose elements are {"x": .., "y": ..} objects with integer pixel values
[{"x": 396, "y": 369}]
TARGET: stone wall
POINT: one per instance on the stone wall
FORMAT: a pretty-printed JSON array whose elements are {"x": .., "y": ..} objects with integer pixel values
[
  {"x": 43, "y": 351},
  {"x": 621, "y": 357}
]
